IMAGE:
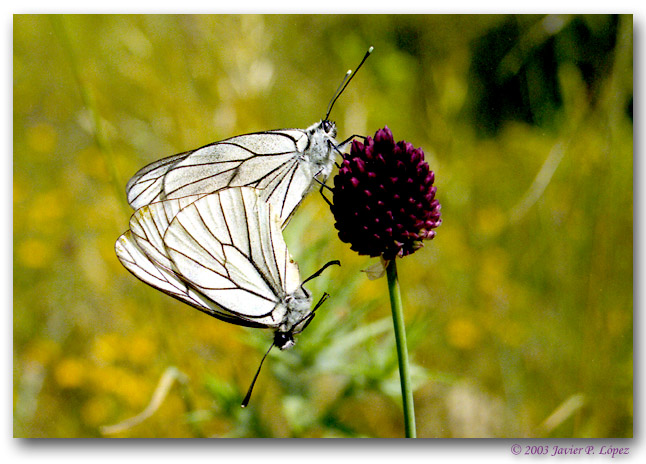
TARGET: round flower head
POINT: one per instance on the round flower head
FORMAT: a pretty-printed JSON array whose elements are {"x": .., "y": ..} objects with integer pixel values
[{"x": 384, "y": 199}]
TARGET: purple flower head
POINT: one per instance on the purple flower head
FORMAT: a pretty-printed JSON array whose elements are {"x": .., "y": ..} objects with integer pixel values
[{"x": 384, "y": 199}]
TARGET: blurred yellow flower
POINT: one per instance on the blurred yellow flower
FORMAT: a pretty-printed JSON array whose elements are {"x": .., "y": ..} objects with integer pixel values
[
  {"x": 112, "y": 347},
  {"x": 45, "y": 208},
  {"x": 42, "y": 351},
  {"x": 462, "y": 333},
  {"x": 70, "y": 373},
  {"x": 34, "y": 253},
  {"x": 493, "y": 276},
  {"x": 122, "y": 383},
  {"x": 106, "y": 347},
  {"x": 42, "y": 138},
  {"x": 96, "y": 411},
  {"x": 104, "y": 378},
  {"x": 133, "y": 389},
  {"x": 140, "y": 350},
  {"x": 455, "y": 247}
]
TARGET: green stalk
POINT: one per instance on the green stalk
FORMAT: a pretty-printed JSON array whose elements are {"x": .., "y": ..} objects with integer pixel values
[
  {"x": 402, "y": 351},
  {"x": 103, "y": 143}
]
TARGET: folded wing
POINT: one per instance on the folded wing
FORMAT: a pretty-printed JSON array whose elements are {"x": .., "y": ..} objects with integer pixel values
[
  {"x": 136, "y": 261},
  {"x": 268, "y": 161},
  {"x": 230, "y": 248}
]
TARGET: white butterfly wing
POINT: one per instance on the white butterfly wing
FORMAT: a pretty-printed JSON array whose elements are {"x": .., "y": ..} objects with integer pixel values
[
  {"x": 149, "y": 223},
  {"x": 135, "y": 261},
  {"x": 229, "y": 247},
  {"x": 286, "y": 191},
  {"x": 268, "y": 161},
  {"x": 147, "y": 184}
]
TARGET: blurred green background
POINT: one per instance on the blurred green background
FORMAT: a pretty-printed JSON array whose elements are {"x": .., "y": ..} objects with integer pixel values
[{"x": 519, "y": 312}]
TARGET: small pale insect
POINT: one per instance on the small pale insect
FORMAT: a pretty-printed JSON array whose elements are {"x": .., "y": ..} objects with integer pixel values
[
  {"x": 224, "y": 254},
  {"x": 284, "y": 164}
]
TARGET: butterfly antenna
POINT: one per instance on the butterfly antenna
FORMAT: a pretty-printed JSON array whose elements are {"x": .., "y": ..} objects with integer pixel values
[
  {"x": 247, "y": 397},
  {"x": 318, "y": 273},
  {"x": 337, "y": 93},
  {"x": 346, "y": 80}
]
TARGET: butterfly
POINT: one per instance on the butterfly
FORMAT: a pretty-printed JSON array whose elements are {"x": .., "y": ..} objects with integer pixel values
[
  {"x": 224, "y": 254},
  {"x": 284, "y": 164}
]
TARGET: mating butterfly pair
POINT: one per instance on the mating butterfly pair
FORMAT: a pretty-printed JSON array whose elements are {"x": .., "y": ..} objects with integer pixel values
[{"x": 208, "y": 225}]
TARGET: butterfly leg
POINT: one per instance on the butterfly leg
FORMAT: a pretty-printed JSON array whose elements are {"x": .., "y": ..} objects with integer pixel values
[
  {"x": 342, "y": 145},
  {"x": 323, "y": 186},
  {"x": 336, "y": 148},
  {"x": 352, "y": 137},
  {"x": 309, "y": 316},
  {"x": 307, "y": 320},
  {"x": 324, "y": 297},
  {"x": 318, "y": 273}
]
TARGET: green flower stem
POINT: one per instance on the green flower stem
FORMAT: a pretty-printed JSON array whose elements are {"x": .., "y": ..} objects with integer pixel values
[{"x": 402, "y": 351}]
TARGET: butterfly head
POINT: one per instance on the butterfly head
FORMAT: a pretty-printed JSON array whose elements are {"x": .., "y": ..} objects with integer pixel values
[
  {"x": 284, "y": 340},
  {"x": 328, "y": 127},
  {"x": 321, "y": 131},
  {"x": 320, "y": 147}
]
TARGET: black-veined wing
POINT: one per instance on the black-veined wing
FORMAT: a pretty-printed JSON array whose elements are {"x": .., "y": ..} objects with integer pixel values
[
  {"x": 282, "y": 164},
  {"x": 149, "y": 223},
  {"x": 146, "y": 270},
  {"x": 146, "y": 185},
  {"x": 229, "y": 247}
]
